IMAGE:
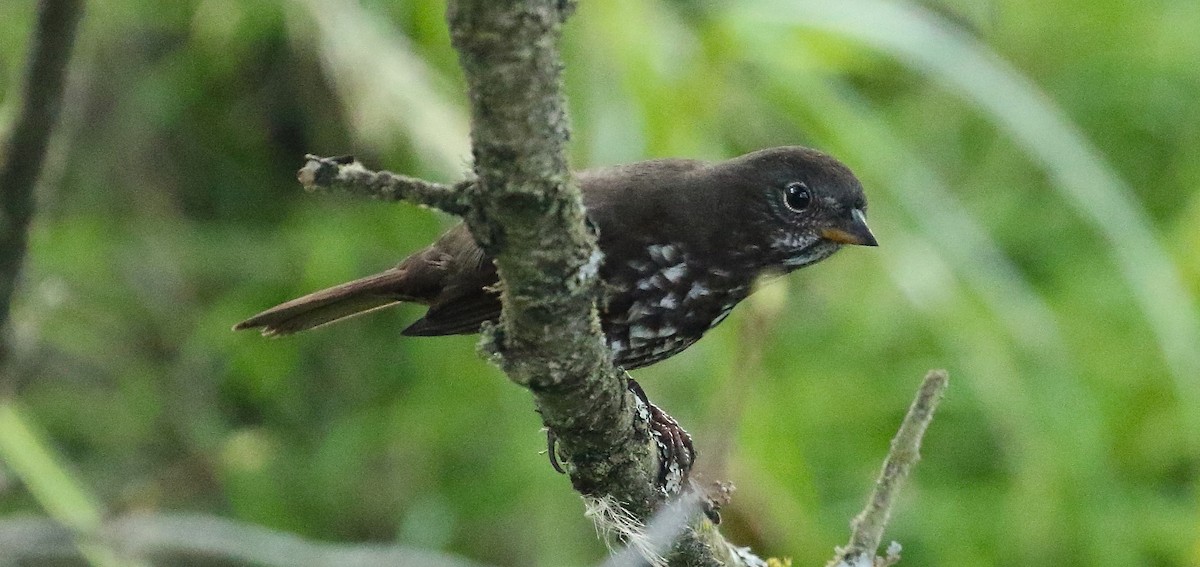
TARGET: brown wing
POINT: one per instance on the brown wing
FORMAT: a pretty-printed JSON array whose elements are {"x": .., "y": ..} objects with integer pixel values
[
  {"x": 469, "y": 296},
  {"x": 472, "y": 297},
  {"x": 459, "y": 311}
]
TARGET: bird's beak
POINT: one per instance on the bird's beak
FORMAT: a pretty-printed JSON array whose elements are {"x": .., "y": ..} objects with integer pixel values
[{"x": 854, "y": 232}]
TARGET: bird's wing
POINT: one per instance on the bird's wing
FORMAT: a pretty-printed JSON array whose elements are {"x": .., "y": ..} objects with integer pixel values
[
  {"x": 460, "y": 315},
  {"x": 468, "y": 295}
]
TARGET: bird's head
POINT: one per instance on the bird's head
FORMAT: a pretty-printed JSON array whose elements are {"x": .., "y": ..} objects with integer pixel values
[{"x": 810, "y": 203}]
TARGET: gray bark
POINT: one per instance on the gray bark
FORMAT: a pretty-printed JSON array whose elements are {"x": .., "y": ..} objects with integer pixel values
[{"x": 527, "y": 213}]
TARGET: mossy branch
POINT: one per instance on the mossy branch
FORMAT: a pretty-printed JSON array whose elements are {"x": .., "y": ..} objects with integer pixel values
[{"x": 347, "y": 175}]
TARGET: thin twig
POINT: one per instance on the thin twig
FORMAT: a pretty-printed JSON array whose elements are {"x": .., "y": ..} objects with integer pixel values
[
  {"x": 25, "y": 149},
  {"x": 867, "y": 528},
  {"x": 349, "y": 176}
]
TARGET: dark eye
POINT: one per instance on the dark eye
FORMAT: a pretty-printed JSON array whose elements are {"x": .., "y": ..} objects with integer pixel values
[{"x": 796, "y": 196}]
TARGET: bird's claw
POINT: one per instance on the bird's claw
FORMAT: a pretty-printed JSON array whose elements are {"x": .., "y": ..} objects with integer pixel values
[
  {"x": 551, "y": 446},
  {"x": 676, "y": 453}
]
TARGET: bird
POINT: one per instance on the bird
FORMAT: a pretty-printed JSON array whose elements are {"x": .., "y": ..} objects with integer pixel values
[{"x": 682, "y": 241}]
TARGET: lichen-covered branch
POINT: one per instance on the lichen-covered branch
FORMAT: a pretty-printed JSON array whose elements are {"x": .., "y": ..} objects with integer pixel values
[
  {"x": 347, "y": 175},
  {"x": 526, "y": 212},
  {"x": 867, "y": 528},
  {"x": 528, "y": 215}
]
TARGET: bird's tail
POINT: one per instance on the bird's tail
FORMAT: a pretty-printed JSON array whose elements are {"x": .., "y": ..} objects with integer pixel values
[{"x": 330, "y": 305}]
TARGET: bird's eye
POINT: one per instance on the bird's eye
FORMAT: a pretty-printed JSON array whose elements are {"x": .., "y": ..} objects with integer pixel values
[{"x": 797, "y": 196}]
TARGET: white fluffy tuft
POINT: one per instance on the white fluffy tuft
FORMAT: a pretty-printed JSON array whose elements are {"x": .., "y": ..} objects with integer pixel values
[{"x": 614, "y": 523}]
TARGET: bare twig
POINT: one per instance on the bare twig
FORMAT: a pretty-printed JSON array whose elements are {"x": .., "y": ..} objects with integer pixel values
[
  {"x": 867, "y": 528},
  {"x": 25, "y": 149},
  {"x": 349, "y": 176}
]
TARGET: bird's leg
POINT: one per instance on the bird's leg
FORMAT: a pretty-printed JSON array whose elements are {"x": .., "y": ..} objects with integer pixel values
[{"x": 676, "y": 454}]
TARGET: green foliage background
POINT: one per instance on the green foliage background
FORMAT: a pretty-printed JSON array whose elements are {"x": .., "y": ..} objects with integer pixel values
[{"x": 1035, "y": 193}]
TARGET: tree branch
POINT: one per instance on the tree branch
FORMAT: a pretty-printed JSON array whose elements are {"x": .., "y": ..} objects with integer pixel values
[
  {"x": 25, "y": 149},
  {"x": 347, "y": 175},
  {"x": 528, "y": 215},
  {"x": 867, "y": 528}
]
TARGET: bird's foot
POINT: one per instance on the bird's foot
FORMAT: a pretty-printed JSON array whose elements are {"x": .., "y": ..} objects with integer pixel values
[{"x": 676, "y": 453}]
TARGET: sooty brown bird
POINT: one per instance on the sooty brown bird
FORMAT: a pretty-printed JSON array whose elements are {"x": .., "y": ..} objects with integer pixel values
[{"x": 683, "y": 242}]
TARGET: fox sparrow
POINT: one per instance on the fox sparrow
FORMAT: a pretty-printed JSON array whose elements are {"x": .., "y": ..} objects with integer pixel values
[{"x": 683, "y": 241}]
